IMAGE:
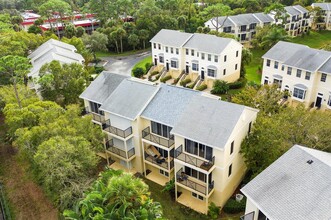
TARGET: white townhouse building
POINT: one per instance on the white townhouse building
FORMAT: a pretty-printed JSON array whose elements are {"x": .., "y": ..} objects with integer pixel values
[
  {"x": 297, "y": 20},
  {"x": 303, "y": 71},
  {"x": 198, "y": 55},
  {"x": 296, "y": 186},
  {"x": 165, "y": 132},
  {"x": 49, "y": 51},
  {"x": 242, "y": 26},
  {"x": 326, "y": 16}
]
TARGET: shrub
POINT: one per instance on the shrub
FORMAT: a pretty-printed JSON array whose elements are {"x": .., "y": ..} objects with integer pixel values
[
  {"x": 99, "y": 69},
  {"x": 241, "y": 82},
  {"x": 213, "y": 211},
  {"x": 220, "y": 87},
  {"x": 138, "y": 72},
  {"x": 148, "y": 66},
  {"x": 154, "y": 73},
  {"x": 184, "y": 82},
  {"x": 233, "y": 207},
  {"x": 202, "y": 87},
  {"x": 165, "y": 79}
]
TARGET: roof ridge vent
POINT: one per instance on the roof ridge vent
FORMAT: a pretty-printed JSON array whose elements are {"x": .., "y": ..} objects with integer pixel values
[{"x": 310, "y": 161}]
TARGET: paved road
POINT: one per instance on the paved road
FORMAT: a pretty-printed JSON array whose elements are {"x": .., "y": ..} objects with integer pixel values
[{"x": 124, "y": 65}]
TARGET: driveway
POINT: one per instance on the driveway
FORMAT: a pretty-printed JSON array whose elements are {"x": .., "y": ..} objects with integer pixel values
[{"x": 123, "y": 65}]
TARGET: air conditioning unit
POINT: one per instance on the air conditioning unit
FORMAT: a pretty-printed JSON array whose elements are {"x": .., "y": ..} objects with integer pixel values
[{"x": 239, "y": 197}]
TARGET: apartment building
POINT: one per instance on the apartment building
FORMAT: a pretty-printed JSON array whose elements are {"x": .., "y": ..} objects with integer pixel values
[
  {"x": 302, "y": 71},
  {"x": 242, "y": 26},
  {"x": 166, "y": 132},
  {"x": 295, "y": 20},
  {"x": 296, "y": 186},
  {"x": 201, "y": 56},
  {"x": 49, "y": 51},
  {"x": 324, "y": 21}
]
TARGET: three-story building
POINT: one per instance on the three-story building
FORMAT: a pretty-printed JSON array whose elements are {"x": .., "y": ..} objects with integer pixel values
[{"x": 322, "y": 21}]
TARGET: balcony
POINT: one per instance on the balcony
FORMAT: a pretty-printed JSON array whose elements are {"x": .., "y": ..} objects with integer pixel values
[
  {"x": 193, "y": 183},
  {"x": 194, "y": 160},
  {"x": 106, "y": 126},
  {"x": 111, "y": 148},
  {"x": 160, "y": 161},
  {"x": 95, "y": 116},
  {"x": 165, "y": 142}
]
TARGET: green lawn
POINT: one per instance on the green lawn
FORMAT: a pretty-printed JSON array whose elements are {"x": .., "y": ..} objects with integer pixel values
[
  {"x": 314, "y": 40},
  {"x": 127, "y": 53},
  {"x": 143, "y": 62}
]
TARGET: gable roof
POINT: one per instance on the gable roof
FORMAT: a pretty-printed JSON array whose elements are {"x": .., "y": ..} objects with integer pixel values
[
  {"x": 265, "y": 18},
  {"x": 295, "y": 10},
  {"x": 224, "y": 21},
  {"x": 129, "y": 99},
  {"x": 244, "y": 19},
  {"x": 208, "y": 121},
  {"x": 51, "y": 43},
  {"x": 323, "y": 6},
  {"x": 290, "y": 188},
  {"x": 168, "y": 104},
  {"x": 298, "y": 56},
  {"x": 102, "y": 87},
  {"x": 326, "y": 68},
  {"x": 171, "y": 37}
]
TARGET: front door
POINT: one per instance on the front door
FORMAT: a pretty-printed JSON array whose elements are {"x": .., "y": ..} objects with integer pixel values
[
  {"x": 155, "y": 61},
  {"x": 318, "y": 102},
  {"x": 167, "y": 66},
  {"x": 202, "y": 74},
  {"x": 187, "y": 69}
]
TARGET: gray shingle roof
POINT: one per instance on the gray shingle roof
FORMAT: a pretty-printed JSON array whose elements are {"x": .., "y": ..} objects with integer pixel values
[
  {"x": 295, "y": 10},
  {"x": 290, "y": 188},
  {"x": 244, "y": 19},
  {"x": 51, "y": 43},
  {"x": 323, "y": 6},
  {"x": 171, "y": 37},
  {"x": 264, "y": 17},
  {"x": 208, "y": 43},
  {"x": 102, "y": 87},
  {"x": 298, "y": 56},
  {"x": 326, "y": 68},
  {"x": 300, "y": 8},
  {"x": 129, "y": 99},
  {"x": 168, "y": 104},
  {"x": 224, "y": 21},
  {"x": 208, "y": 121}
]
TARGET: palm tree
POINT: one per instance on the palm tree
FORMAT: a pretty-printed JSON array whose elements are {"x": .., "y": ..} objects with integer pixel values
[
  {"x": 276, "y": 34},
  {"x": 121, "y": 33},
  {"x": 144, "y": 35}
]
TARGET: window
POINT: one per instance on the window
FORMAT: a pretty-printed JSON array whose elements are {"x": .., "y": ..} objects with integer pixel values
[
  {"x": 216, "y": 59},
  {"x": 224, "y": 71},
  {"x": 209, "y": 57},
  {"x": 161, "y": 129},
  {"x": 283, "y": 67},
  {"x": 186, "y": 51},
  {"x": 197, "y": 196},
  {"x": 197, "y": 54},
  {"x": 323, "y": 77},
  {"x": 299, "y": 73},
  {"x": 95, "y": 108},
  {"x": 299, "y": 93},
  {"x": 329, "y": 101},
  {"x": 211, "y": 72},
  {"x": 307, "y": 77},
  {"x": 164, "y": 173},
  {"x": 195, "y": 67},
  {"x": 159, "y": 46},
  {"x": 276, "y": 65},
  {"x": 192, "y": 52},
  {"x": 249, "y": 127},
  {"x": 166, "y": 49},
  {"x": 289, "y": 70},
  {"x": 171, "y": 50},
  {"x": 161, "y": 58},
  {"x": 237, "y": 53},
  {"x": 173, "y": 64},
  {"x": 225, "y": 58},
  {"x": 230, "y": 170},
  {"x": 177, "y": 51},
  {"x": 154, "y": 44},
  {"x": 198, "y": 149},
  {"x": 236, "y": 67},
  {"x": 232, "y": 146},
  {"x": 202, "y": 56},
  {"x": 268, "y": 62}
]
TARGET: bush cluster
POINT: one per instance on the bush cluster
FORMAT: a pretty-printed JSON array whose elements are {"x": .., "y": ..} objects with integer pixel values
[{"x": 233, "y": 207}]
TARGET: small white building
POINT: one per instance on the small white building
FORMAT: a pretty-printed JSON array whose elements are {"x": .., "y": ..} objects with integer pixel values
[
  {"x": 303, "y": 71},
  {"x": 326, "y": 16},
  {"x": 242, "y": 26},
  {"x": 296, "y": 186},
  {"x": 202, "y": 56}
]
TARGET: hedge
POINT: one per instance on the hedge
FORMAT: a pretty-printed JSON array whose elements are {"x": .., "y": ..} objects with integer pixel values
[
  {"x": 202, "y": 87},
  {"x": 166, "y": 78},
  {"x": 184, "y": 82},
  {"x": 233, "y": 207},
  {"x": 241, "y": 82}
]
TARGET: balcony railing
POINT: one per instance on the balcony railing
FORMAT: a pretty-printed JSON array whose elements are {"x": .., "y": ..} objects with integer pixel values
[
  {"x": 146, "y": 134},
  {"x": 95, "y": 116},
  {"x": 203, "y": 164},
  {"x": 184, "y": 179},
  {"x": 106, "y": 126},
  {"x": 110, "y": 147},
  {"x": 161, "y": 162}
]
